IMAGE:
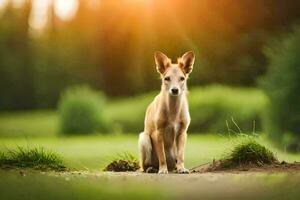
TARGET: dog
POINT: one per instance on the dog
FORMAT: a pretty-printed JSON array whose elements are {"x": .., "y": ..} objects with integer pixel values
[{"x": 162, "y": 143}]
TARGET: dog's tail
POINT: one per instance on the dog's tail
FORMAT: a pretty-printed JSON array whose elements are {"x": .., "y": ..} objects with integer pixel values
[{"x": 145, "y": 148}]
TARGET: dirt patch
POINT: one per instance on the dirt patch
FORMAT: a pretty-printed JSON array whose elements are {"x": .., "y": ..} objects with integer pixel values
[
  {"x": 218, "y": 166},
  {"x": 248, "y": 155},
  {"x": 122, "y": 166}
]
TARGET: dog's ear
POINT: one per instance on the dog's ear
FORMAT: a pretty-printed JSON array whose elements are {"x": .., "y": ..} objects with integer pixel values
[
  {"x": 186, "y": 62},
  {"x": 162, "y": 62}
]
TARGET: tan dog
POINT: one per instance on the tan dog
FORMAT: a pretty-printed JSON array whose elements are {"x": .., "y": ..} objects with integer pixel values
[{"x": 167, "y": 118}]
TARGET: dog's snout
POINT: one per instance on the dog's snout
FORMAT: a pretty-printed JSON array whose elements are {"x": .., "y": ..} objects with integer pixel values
[{"x": 174, "y": 91}]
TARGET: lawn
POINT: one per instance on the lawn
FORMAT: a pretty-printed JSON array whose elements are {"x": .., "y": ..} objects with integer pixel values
[
  {"x": 88, "y": 155},
  {"x": 94, "y": 152}
]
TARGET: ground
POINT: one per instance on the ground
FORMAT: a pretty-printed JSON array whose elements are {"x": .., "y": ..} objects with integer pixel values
[
  {"x": 96, "y": 151},
  {"x": 108, "y": 185},
  {"x": 87, "y": 156}
]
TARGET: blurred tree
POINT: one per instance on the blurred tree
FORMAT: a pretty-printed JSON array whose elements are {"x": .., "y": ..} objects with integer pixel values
[
  {"x": 282, "y": 85},
  {"x": 17, "y": 71},
  {"x": 110, "y": 45}
]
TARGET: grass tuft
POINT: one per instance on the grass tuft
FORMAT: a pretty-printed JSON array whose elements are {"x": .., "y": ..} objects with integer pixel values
[
  {"x": 247, "y": 151},
  {"x": 123, "y": 163},
  {"x": 36, "y": 158},
  {"x": 245, "y": 154}
]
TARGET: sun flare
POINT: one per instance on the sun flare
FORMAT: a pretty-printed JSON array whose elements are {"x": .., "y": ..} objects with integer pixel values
[{"x": 65, "y": 9}]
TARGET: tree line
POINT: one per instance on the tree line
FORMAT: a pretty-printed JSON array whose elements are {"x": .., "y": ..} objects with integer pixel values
[{"x": 110, "y": 45}]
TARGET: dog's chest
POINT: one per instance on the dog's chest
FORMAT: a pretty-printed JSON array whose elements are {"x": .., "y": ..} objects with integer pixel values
[
  {"x": 172, "y": 128},
  {"x": 170, "y": 133}
]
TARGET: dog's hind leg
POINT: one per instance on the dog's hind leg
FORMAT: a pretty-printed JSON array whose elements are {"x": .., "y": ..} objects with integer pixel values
[{"x": 145, "y": 148}]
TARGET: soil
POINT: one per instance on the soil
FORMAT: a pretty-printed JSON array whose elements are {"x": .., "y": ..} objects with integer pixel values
[
  {"x": 216, "y": 166},
  {"x": 122, "y": 166}
]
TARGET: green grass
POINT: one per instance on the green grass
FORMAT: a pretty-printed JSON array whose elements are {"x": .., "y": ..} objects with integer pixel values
[
  {"x": 95, "y": 152},
  {"x": 36, "y": 158},
  {"x": 249, "y": 151},
  {"x": 29, "y": 123}
]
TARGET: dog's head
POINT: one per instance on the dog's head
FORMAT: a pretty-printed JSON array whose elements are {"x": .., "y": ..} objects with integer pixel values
[{"x": 174, "y": 76}]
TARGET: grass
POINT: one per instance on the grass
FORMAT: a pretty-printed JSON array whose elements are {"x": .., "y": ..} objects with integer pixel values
[
  {"x": 96, "y": 152},
  {"x": 28, "y": 124},
  {"x": 249, "y": 151},
  {"x": 36, "y": 158}
]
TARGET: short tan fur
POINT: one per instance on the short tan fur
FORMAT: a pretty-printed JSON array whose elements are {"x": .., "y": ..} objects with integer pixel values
[{"x": 167, "y": 118}]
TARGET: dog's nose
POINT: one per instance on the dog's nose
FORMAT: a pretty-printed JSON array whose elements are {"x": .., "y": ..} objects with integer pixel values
[{"x": 174, "y": 90}]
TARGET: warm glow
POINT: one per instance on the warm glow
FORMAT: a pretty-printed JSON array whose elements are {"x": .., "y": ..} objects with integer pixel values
[
  {"x": 39, "y": 14},
  {"x": 66, "y": 9},
  {"x": 3, "y": 3},
  {"x": 18, "y": 3}
]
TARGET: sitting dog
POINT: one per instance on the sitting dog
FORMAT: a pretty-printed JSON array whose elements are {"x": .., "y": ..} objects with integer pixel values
[{"x": 167, "y": 118}]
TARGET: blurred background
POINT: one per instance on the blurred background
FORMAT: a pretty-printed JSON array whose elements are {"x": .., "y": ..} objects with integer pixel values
[{"x": 86, "y": 66}]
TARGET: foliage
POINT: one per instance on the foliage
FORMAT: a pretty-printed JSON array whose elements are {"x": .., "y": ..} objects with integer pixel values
[
  {"x": 282, "y": 86},
  {"x": 37, "y": 158},
  {"x": 248, "y": 151},
  {"x": 116, "y": 57},
  {"x": 210, "y": 108},
  {"x": 81, "y": 111},
  {"x": 245, "y": 152}
]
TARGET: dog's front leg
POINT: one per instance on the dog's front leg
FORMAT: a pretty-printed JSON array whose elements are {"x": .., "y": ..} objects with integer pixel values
[
  {"x": 180, "y": 142},
  {"x": 158, "y": 142}
]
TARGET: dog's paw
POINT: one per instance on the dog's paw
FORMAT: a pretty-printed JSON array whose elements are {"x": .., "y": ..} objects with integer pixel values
[
  {"x": 151, "y": 170},
  {"x": 183, "y": 171},
  {"x": 163, "y": 171}
]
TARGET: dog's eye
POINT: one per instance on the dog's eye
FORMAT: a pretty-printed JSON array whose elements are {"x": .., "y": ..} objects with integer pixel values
[
  {"x": 167, "y": 78},
  {"x": 182, "y": 78}
]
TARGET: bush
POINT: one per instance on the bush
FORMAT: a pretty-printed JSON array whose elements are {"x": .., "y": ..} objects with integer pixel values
[
  {"x": 127, "y": 115},
  {"x": 210, "y": 108},
  {"x": 81, "y": 111},
  {"x": 282, "y": 86}
]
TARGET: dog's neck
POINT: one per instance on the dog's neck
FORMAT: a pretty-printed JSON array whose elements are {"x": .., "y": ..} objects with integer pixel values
[{"x": 173, "y": 103}]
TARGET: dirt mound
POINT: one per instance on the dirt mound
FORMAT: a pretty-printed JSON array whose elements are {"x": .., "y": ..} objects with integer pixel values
[
  {"x": 122, "y": 166},
  {"x": 218, "y": 166},
  {"x": 248, "y": 155}
]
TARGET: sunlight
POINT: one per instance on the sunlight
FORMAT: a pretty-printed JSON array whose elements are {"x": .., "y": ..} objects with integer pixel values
[
  {"x": 65, "y": 9},
  {"x": 18, "y": 3},
  {"x": 3, "y": 3},
  {"x": 39, "y": 14}
]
